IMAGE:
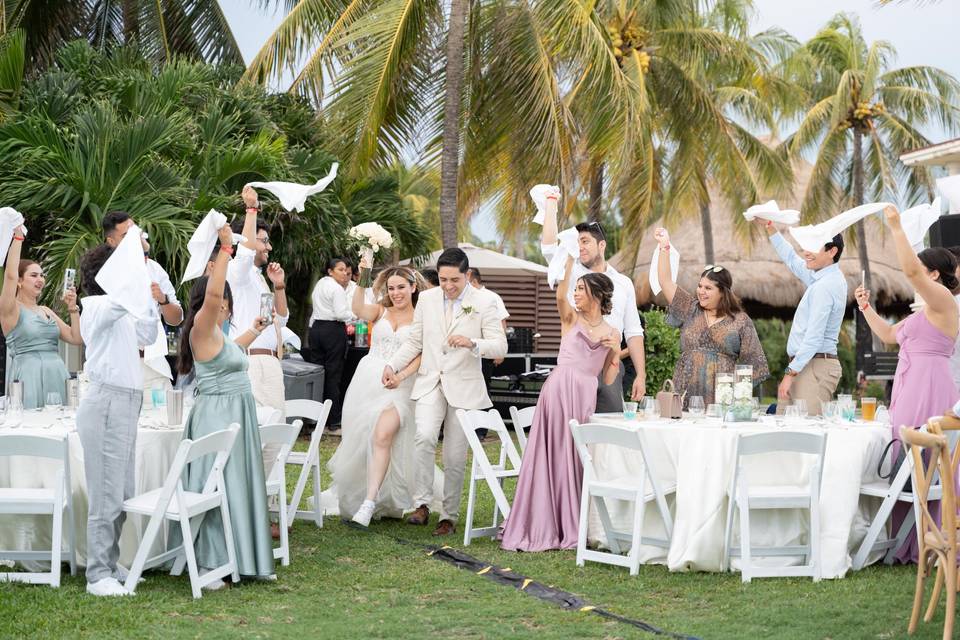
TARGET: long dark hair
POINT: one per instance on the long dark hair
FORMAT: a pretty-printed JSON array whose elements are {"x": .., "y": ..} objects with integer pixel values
[
  {"x": 600, "y": 288},
  {"x": 197, "y": 294},
  {"x": 942, "y": 261},
  {"x": 729, "y": 302}
]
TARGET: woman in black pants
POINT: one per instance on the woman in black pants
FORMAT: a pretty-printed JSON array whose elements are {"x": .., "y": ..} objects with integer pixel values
[{"x": 328, "y": 330}]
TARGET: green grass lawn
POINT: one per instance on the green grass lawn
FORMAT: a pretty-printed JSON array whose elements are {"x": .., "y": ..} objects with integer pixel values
[{"x": 347, "y": 583}]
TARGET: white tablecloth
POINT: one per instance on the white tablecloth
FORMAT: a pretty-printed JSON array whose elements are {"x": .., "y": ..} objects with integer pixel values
[
  {"x": 156, "y": 447},
  {"x": 699, "y": 457}
]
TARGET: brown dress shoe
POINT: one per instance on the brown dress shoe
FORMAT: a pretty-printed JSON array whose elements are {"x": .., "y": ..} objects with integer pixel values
[
  {"x": 420, "y": 515},
  {"x": 444, "y": 528}
]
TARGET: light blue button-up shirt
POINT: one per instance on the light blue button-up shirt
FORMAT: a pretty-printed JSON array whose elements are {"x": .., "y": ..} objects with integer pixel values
[{"x": 816, "y": 324}]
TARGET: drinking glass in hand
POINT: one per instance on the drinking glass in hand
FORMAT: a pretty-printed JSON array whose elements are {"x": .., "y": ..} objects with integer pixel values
[{"x": 696, "y": 406}]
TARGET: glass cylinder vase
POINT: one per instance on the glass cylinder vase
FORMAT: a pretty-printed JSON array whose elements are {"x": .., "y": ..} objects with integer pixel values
[
  {"x": 723, "y": 392},
  {"x": 743, "y": 393}
]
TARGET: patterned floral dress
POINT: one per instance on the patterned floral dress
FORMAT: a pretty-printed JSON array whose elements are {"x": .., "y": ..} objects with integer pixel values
[{"x": 706, "y": 351}]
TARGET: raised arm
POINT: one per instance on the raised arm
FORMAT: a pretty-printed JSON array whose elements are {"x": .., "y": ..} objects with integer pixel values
[
  {"x": 205, "y": 335},
  {"x": 786, "y": 252},
  {"x": 667, "y": 284},
  {"x": 881, "y": 328},
  {"x": 364, "y": 311},
  {"x": 251, "y": 204},
  {"x": 568, "y": 314},
  {"x": 9, "y": 309},
  {"x": 70, "y": 333},
  {"x": 549, "y": 234}
]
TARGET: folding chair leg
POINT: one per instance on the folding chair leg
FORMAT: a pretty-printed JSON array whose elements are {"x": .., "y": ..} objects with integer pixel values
[
  {"x": 639, "y": 507},
  {"x": 188, "y": 551},
  {"x": 582, "y": 532},
  {"x": 607, "y": 524},
  {"x": 56, "y": 545},
  {"x": 471, "y": 499},
  {"x": 72, "y": 539},
  {"x": 746, "y": 561},
  {"x": 317, "y": 490},
  {"x": 284, "y": 534},
  {"x": 814, "y": 558},
  {"x": 728, "y": 533},
  {"x": 298, "y": 489},
  {"x": 143, "y": 552},
  {"x": 496, "y": 508}
]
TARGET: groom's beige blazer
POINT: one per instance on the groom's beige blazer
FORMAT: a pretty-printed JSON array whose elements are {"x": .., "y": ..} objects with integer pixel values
[{"x": 456, "y": 370}]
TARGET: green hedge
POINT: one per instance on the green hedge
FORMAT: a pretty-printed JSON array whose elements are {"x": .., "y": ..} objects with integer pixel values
[{"x": 662, "y": 346}]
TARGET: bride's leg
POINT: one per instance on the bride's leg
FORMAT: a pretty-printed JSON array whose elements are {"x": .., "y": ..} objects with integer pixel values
[{"x": 381, "y": 441}]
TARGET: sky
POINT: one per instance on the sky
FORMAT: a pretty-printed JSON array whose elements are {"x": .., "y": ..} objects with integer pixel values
[{"x": 921, "y": 32}]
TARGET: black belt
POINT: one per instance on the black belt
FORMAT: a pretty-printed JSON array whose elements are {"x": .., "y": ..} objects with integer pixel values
[{"x": 826, "y": 356}]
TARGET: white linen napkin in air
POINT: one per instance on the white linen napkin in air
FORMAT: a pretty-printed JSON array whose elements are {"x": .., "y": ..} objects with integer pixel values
[
  {"x": 202, "y": 242},
  {"x": 293, "y": 196},
  {"x": 770, "y": 211},
  {"x": 124, "y": 276},
  {"x": 568, "y": 240},
  {"x": 916, "y": 220},
  {"x": 950, "y": 188},
  {"x": 654, "y": 261},
  {"x": 10, "y": 219},
  {"x": 539, "y": 194},
  {"x": 812, "y": 237}
]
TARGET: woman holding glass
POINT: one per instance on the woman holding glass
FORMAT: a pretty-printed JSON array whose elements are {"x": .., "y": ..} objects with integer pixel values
[
  {"x": 715, "y": 333},
  {"x": 33, "y": 331}
]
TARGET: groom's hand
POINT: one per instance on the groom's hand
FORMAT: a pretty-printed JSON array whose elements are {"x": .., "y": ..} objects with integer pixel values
[
  {"x": 389, "y": 378},
  {"x": 460, "y": 342}
]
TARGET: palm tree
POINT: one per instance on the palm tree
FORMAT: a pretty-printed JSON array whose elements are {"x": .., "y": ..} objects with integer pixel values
[
  {"x": 12, "y": 59},
  {"x": 863, "y": 115}
]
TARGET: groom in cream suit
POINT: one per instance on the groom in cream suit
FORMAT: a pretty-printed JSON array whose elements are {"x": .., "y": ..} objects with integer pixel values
[{"x": 453, "y": 328}]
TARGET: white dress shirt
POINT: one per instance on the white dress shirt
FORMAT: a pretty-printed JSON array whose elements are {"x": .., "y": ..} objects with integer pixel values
[
  {"x": 624, "y": 316},
  {"x": 246, "y": 285},
  {"x": 502, "y": 313},
  {"x": 158, "y": 275},
  {"x": 113, "y": 337},
  {"x": 330, "y": 301}
]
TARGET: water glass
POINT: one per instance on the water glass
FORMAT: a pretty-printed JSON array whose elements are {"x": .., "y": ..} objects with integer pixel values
[
  {"x": 801, "y": 406},
  {"x": 54, "y": 401},
  {"x": 695, "y": 406},
  {"x": 650, "y": 409},
  {"x": 792, "y": 411},
  {"x": 714, "y": 411},
  {"x": 630, "y": 410},
  {"x": 882, "y": 416},
  {"x": 158, "y": 397},
  {"x": 829, "y": 410}
]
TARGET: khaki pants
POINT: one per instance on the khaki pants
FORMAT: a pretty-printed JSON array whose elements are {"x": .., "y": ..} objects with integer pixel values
[
  {"x": 433, "y": 412},
  {"x": 816, "y": 384},
  {"x": 266, "y": 382}
]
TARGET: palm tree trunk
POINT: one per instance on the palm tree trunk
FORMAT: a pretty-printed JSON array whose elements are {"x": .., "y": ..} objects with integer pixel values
[
  {"x": 596, "y": 191},
  {"x": 706, "y": 224},
  {"x": 864, "y": 335},
  {"x": 450, "y": 155}
]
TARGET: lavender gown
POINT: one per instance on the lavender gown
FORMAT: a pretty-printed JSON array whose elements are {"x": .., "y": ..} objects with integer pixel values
[
  {"x": 546, "y": 506},
  {"x": 922, "y": 388}
]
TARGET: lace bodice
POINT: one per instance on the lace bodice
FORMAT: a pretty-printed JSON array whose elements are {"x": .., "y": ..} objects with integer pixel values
[{"x": 385, "y": 340}]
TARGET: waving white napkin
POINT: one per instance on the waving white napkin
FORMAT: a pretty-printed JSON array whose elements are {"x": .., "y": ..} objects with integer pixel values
[
  {"x": 654, "y": 261},
  {"x": 124, "y": 276},
  {"x": 568, "y": 240},
  {"x": 293, "y": 196},
  {"x": 812, "y": 237},
  {"x": 770, "y": 211},
  {"x": 916, "y": 220},
  {"x": 539, "y": 194},
  {"x": 950, "y": 188},
  {"x": 202, "y": 242},
  {"x": 10, "y": 219},
  {"x": 289, "y": 337}
]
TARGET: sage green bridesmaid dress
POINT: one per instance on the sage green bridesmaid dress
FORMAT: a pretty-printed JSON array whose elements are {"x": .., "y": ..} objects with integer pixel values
[
  {"x": 34, "y": 359},
  {"x": 223, "y": 396}
]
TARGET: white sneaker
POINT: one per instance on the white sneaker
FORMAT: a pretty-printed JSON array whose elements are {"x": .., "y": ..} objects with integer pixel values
[
  {"x": 216, "y": 585},
  {"x": 122, "y": 573},
  {"x": 107, "y": 587},
  {"x": 364, "y": 513}
]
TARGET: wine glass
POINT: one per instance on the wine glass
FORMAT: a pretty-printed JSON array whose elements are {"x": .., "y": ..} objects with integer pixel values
[
  {"x": 696, "y": 406},
  {"x": 649, "y": 407},
  {"x": 801, "y": 406},
  {"x": 53, "y": 404},
  {"x": 793, "y": 411}
]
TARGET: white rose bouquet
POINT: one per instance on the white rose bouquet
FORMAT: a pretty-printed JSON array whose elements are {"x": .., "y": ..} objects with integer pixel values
[{"x": 371, "y": 237}]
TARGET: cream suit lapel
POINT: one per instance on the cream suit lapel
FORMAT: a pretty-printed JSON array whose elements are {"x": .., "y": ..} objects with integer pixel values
[{"x": 461, "y": 313}]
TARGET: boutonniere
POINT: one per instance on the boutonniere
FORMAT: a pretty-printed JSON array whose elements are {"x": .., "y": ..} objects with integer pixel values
[{"x": 466, "y": 310}]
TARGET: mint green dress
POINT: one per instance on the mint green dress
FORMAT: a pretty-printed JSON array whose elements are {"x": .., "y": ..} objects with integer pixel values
[
  {"x": 223, "y": 396},
  {"x": 34, "y": 359}
]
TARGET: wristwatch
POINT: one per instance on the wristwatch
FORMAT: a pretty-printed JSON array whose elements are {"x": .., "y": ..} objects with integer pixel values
[{"x": 790, "y": 372}]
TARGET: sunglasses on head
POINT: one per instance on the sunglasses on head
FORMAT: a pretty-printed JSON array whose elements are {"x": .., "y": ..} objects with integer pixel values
[
  {"x": 714, "y": 268},
  {"x": 596, "y": 225}
]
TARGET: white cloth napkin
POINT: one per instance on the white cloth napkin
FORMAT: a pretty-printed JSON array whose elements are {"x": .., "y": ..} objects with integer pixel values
[
  {"x": 289, "y": 337},
  {"x": 202, "y": 242},
  {"x": 654, "y": 261},
  {"x": 293, "y": 196},
  {"x": 770, "y": 211},
  {"x": 539, "y": 194},
  {"x": 812, "y": 237},
  {"x": 10, "y": 219},
  {"x": 916, "y": 220},
  {"x": 124, "y": 276},
  {"x": 568, "y": 241},
  {"x": 950, "y": 188}
]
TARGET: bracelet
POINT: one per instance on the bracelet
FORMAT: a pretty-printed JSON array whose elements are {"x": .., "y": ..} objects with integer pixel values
[
  {"x": 166, "y": 300},
  {"x": 19, "y": 238},
  {"x": 551, "y": 197},
  {"x": 865, "y": 307},
  {"x": 256, "y": 208},
  {"x": 227, "y": 250},
  {"x": 279, "y": 287},
  {"x": 666, "y": 248},
  {"x": 769, "y": 223}
]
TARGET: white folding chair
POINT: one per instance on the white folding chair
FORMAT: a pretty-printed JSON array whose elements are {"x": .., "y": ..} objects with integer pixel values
[
  {"x": 891, "y": 494},
  {"x": 309, "y": 461},
  {"x": 639, "y": 491},
  {"x": 283, "y": 435},
  {"x": 747, "y": 497},
  {"x": 172, "y": 502},
  {"x": 522, "y": 420},
  {"x": 53, "y": 502},
  {"x": 481, "y": 470}
]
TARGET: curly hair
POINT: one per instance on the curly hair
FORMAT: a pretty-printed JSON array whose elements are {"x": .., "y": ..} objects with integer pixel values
[
  {"x": 600, "y": 288},
  {"x": 90, "y": 265},
  {"x": 413, "y": 278}
]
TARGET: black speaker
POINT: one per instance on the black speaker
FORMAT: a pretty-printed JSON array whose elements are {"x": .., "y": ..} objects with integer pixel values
[{"x": 945, "y": 232}]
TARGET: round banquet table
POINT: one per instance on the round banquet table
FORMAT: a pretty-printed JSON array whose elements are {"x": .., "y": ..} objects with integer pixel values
[
  {"x": 698, "y": 455},
  {"x": 157, "y": 444}
]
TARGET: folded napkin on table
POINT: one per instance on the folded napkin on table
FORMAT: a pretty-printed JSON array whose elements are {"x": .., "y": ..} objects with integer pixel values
[
  {"x": 654, "y": 261},
  {"x": 567, "y": 240},
  {"x": 916, "y": 220},
  {"x": 812, "y": 237},
  {"x": 10, "y": 219},
  {"x": 770, "y": 211},
  {"x": 293, "y": 196},
  {"x": 539, "y": 194},
  {"x": 124, "y": 276}
]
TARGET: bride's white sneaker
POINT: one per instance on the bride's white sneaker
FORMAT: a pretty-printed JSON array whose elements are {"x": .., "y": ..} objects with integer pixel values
[
  {"x": 107, "y": 587},
  {"x": 364, "y": 513}
]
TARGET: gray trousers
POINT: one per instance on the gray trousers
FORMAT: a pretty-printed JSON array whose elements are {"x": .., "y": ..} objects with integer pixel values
[
  {"x": 610, "y": 396},
  {"x": 107, "y": 425}
]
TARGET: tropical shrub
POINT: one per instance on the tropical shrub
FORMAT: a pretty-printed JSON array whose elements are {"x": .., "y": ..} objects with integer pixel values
[{"x": 661, "y": 344}]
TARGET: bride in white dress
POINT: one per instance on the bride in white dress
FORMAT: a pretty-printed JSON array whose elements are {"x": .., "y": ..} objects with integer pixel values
[{"x": 373, "y": 468}]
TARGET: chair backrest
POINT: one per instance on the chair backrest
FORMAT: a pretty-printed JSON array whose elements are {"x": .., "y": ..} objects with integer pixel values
[
  {"x": 597, "y": 433},
  {"x": 522, "y": 418},
  {"x": 219, "y": 443},
  {"x": 938, "y": 462},
  {"x": 800, "y": 442},
  {"x": 17, "y": 444},
  {"x": 474, "y": 419},
  {"x": 284, "y": 435},
  {"x": 309, "y": 409}
]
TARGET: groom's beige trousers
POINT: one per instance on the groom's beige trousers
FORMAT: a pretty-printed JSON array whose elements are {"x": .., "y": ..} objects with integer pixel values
[{"x": 432, "y": 411}]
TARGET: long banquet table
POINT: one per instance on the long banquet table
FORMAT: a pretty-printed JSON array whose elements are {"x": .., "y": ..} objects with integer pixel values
[
  {"x": 157, "y": 445},
  {"x": 699, "y": 456}
]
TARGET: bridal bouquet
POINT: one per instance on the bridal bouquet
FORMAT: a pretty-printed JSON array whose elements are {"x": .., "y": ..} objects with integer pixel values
[{"x": 371, "y": 237}]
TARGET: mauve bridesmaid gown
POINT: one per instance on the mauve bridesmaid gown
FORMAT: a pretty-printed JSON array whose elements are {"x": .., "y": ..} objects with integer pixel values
[{"x": 546, "y": 507}]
